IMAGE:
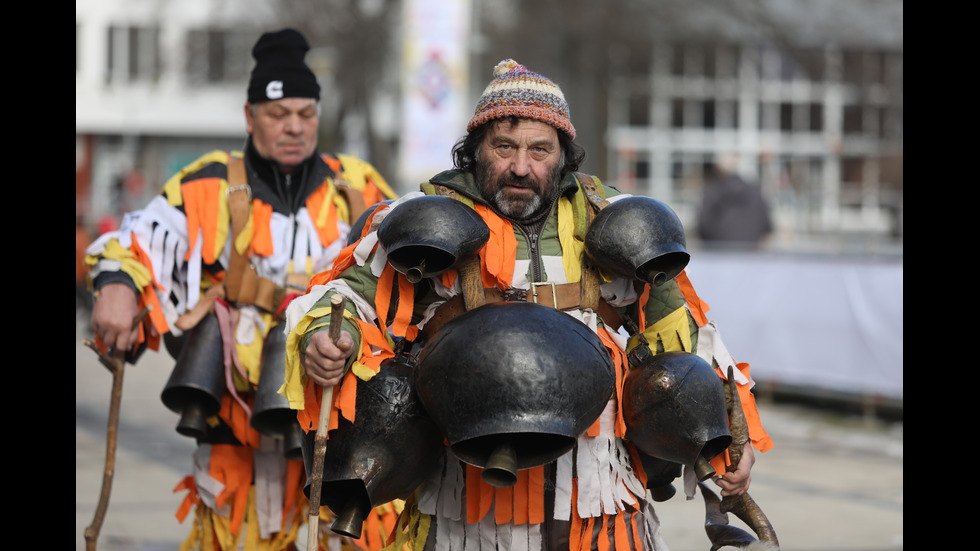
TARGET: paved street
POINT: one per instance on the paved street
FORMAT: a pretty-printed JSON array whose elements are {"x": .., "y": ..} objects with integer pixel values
[{"x": 831, "y": 483}]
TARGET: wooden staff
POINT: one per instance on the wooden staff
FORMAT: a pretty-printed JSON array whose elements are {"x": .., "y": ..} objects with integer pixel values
[
  {"x": 742, "y": 505},
  {"x": 116, "y": 363},
  {"x": 320, "y": 443}
]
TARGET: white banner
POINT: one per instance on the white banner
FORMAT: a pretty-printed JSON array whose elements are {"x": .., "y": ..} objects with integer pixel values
[
  {"x": 434, "y": 75},
  {"x": 823, "y": 323}
]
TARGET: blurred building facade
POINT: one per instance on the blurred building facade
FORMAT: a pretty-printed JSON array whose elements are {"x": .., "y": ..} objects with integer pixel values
[
  {"x": 819, "y": 128},
  {"x": 814, "y": 112}
]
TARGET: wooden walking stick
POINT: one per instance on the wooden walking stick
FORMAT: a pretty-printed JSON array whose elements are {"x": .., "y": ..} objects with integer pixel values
[
  {"x": 116, "y": 363},
  {"x": 320, "y": 443}
]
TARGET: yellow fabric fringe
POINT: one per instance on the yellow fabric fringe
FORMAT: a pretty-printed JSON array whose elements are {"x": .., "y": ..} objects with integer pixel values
[
  {"x": 404, "y": 539},
  {"x": 673, "y": 331},
  {"x": 292, "y": 388},
  {"x": 357, "y": 172},
  {"x": 572, "y": 248},
  {"x": 132, "y": 267}
]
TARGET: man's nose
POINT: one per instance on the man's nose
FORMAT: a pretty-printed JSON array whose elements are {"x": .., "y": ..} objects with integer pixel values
[
  {"x": 292, "y": 125},
  {"x": 521, "y": 166}
]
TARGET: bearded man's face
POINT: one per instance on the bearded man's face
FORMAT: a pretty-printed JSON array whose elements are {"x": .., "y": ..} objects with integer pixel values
[{"x": 518, "y": 167}]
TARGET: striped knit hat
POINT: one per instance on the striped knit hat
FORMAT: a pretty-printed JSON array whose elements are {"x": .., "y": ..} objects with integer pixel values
[{"x": 516, "y": 91}]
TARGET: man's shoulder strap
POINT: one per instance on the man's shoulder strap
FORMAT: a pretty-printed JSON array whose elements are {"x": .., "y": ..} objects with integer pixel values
[
  {"x": 239, "y": 194},
  {"x": 591, "y": 280},
  {"x": 592, "y": 188},
  {"x": 239, "y": 205}
]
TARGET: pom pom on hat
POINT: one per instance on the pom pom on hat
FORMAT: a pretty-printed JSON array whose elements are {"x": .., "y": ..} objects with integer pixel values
[
  {"x": 517, "y": 91},
  {"x": 280, "y": 71}
]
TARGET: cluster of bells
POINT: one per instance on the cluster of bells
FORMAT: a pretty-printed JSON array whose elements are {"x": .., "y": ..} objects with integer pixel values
[{"x": 508, "y": 385}]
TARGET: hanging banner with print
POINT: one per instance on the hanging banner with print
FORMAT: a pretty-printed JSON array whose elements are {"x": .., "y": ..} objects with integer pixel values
[{"x": 434, "y": 75}]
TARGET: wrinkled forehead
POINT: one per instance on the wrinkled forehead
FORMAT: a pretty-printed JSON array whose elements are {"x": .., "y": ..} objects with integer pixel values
[{"x": 521, "y": 130}]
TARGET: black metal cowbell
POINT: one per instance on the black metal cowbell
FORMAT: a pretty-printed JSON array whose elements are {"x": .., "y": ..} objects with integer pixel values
[
  {"x": 389, "y": 450},
  {"x": 197, "y": 383},
  {"x": 638, "y": 238},
  {"x": 428, "y": 235},
  {"x": 271, "y": 414},
  {"x": 514, "y": 376},
  {"x": 675, "y": 410}
]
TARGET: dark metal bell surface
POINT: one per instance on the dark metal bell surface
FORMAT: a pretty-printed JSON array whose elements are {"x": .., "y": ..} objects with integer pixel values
[
  {"x": 514, "y": 375},
  {"x": 674, "y": 408},
  {"x": 358, "y": 227},
  {"x": 271, "y": 414},
  {"x": 389, "y": 450},
  {"x": 660, "y": 476},
  {"x": 197, "y": 383},
  {"x": 638, "y": 238},
  {"x": 428, "y": 235}
]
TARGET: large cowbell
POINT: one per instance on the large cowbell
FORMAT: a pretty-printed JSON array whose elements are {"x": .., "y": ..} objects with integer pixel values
[
  {"x": 512, "y": 385},
  {"x": 428, "y": 235},
  {"x": 197, "y": 383},
  {"x": 674, "y": 408},
  {"x": 638, "y": 238},
  {"x": 271, "y": 414},
  {"x": 389, "y": 450}
]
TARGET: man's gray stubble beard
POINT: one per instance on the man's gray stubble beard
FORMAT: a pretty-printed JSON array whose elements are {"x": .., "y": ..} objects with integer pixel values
[{"x": 509, "y": 208}]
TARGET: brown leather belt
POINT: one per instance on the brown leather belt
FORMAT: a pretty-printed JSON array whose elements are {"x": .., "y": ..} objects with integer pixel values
[
  {"x": 561, "y": 296},
  {"x": 254, "y": 290}
]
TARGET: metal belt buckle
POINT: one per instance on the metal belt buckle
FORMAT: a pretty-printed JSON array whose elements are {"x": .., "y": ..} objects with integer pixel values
[
  {"x": 534, "y": 292},
  {"x": 233, "y": 189}
]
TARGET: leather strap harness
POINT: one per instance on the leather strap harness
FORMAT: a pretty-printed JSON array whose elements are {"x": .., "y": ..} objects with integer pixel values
[{"x": 242, "y": 284}]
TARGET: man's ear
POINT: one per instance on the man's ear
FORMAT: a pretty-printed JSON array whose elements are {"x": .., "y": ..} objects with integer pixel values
[{"x": 248, "y": 117}]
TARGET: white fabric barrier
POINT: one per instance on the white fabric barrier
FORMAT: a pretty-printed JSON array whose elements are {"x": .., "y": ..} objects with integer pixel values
[{"x": 829, "y": 323}]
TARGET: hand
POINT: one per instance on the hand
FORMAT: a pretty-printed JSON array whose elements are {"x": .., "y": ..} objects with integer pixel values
[
  {"x": 324, "y": 361},
  {"x": 737, "y": 482},
  {"x": 115, "y": 308}
]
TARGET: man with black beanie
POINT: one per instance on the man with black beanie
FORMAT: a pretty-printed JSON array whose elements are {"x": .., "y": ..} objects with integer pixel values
[{"x": 232, "y": 238}]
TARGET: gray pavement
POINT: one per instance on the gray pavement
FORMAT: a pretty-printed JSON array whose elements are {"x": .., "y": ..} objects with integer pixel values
[{"x": 832, "y": 482}]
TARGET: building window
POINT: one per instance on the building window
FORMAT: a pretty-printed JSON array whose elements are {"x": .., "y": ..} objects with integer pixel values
[
  {"x": 219, "y": 56},
  {"x": 677, "y": 113},
  {"x": 133, "y": 54},
  {"x": 852, "y": 119},
  {"x": 639, "y": 109},
  {"x": 816, "y": 117},
  {"x": 708, "y": 113},
  {"x": 786, "y": 117},
  {"x": 811, "y": 64},
  {"x": 852, "y": 180}
]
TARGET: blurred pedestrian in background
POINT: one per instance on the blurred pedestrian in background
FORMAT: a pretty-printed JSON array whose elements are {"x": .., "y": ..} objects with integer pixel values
[
  {"x": 733, "y": 215},
  {"x": 232, "y": 238}
]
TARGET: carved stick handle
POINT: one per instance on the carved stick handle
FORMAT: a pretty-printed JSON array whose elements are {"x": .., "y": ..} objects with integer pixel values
[
  {"x": 743, "y": 506},
  {"x": 737, "y": 423}
]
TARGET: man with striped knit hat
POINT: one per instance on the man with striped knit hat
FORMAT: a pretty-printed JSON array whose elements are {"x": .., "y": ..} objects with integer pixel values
[{"x": 517, "y": 167}]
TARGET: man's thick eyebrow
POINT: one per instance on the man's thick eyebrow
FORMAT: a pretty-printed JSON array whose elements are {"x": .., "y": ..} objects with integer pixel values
[
  {"x": 496, "y": 139},
  {"x": 501, "y": 138},
  {"x": 543, "y": 140}
]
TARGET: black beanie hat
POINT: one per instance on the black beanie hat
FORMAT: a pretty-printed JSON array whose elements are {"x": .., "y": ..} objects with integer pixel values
[{"x": 280, "y": 71}]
